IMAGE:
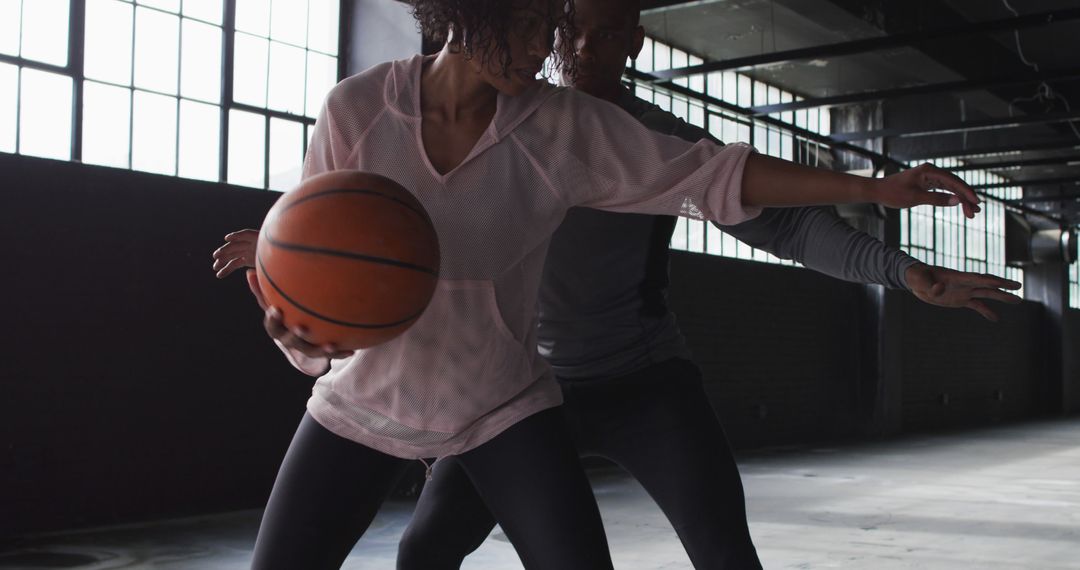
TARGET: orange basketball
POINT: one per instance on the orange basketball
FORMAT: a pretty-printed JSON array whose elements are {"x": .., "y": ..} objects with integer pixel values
[{"x": 350, "y": 256}]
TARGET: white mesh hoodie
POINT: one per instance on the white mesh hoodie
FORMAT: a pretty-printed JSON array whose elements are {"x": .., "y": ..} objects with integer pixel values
[{"x": 468, "y": 368}]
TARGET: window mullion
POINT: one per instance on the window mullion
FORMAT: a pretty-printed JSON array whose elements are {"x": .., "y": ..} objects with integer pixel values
[
  {"x": 76, "y": 58},
  {"x": 227, "y": 49}
]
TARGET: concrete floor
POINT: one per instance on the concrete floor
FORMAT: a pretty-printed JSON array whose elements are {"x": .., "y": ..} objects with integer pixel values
[{"x": 1002, "y": 498}]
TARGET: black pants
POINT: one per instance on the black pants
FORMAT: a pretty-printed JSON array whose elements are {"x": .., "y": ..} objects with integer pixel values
[
  {"x": 329, "y": 489},
  {"x": 658, "y": 425}
]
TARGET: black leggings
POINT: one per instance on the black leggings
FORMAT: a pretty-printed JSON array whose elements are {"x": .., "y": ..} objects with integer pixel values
[
  {"x": 658, "y": 425},
  {"x": 329, "y": 489}
]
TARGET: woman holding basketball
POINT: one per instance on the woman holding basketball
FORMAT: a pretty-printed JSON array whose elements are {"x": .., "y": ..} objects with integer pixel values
[{"x": 497, "y": 158}]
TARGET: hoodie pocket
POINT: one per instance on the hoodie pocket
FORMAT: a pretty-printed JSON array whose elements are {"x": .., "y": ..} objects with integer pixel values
[{"x": 457, "y": 363}]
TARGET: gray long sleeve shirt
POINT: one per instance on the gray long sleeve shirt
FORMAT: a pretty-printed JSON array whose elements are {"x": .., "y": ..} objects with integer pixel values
[{"x": 603, "y": 298}]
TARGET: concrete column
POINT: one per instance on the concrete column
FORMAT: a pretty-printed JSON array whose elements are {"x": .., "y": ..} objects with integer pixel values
[{"x": 1048, "y": 284}]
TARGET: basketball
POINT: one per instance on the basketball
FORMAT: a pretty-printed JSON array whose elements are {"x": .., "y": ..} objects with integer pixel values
[{"x": 350, "y": 256}]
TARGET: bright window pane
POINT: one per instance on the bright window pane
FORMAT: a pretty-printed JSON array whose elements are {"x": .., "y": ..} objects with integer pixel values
[
  {"x": 45, "y": 114},
  {"x": 249, "y": 71},
  {"x": 9, "y": 97},
  {"x": 200, "y": 139},
  {"x": 200, "y": 69},
  {"x": 323, "y": 26},
  {"x": 247, "y": 149},
  {"x": 157, "y": 43},
  {"x": 108, "y": 41},
  {"x": 10, "y": 18},
  {"x": 286, "y": 153},
  {"x": 321, "y": 77},
  {"x": 745, "y": 90},
  {"x": 154, "y": 134},
  {"x": 170, "y": 5},
  {"x": 45, "y": 31},
  {"x": 731, "y": 87},
  {"x": 106, "y": 124},
  {"x": 206, "y": 10},
  {"x": 286, "y": 92},
  {"x": 288, "y": 22},
  {"x": 253, "y": 16}
]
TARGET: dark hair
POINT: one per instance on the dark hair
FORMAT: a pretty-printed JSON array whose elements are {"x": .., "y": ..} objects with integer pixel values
[{"x": 484, "y": 27}]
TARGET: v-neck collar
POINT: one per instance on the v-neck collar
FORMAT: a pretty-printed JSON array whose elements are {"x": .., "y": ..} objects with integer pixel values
[{"x": 509, "y": 112}]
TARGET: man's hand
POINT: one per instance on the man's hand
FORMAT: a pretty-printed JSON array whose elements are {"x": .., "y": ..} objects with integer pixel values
[{"x": 955, "y": 289}]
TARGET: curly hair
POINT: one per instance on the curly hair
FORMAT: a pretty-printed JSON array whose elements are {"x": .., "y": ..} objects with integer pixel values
[{"x": 484, "y": 27}]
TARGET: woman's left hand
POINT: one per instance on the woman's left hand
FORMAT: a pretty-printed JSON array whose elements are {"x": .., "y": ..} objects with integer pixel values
[{"x": 916, "y": 187}]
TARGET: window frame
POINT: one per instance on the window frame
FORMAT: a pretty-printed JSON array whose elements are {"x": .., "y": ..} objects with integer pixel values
[{"x": 75, "y": 70}]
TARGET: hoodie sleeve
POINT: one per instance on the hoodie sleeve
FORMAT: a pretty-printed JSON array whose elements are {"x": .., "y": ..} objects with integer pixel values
[
  {"x": 613, "y": 162},
  {"x": 822, "y": 241}
]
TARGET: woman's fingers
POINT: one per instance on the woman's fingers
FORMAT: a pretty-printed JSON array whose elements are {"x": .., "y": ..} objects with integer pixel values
[
  {"x": 231, "y": 266},
  {"x": 243, "y": 235},
  {"x": 253, "y": 284}
]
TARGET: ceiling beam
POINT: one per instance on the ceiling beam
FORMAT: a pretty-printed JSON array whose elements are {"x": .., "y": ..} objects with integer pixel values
[
  {"x": 928, "y": 89},
  {"x": 960, "y": 127},
  {"x": 1010, "y": 148},
  {"x": 878, "y": 158},
  {"x": 1062, "y": 181},
  {"x": 1044, "y": 199},
  {"x": 1067, "y": 160},
  {"x": 874, "y": 44},
  {"x": 657, "y": 6}
]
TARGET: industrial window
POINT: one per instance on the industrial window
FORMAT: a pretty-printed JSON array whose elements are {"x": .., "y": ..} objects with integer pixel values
[
  {"x": 220, "y": 90},
  {"x": 737, "y": 89},
  {"x": 1074, "y": 285},
  {"x": 940, "y": 236},
  {"x": 943, "y": 236}
]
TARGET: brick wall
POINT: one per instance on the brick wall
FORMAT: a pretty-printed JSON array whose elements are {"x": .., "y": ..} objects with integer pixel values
[
  {"x": 959, "y": 369},
  {"x": 779, "y": 346}
]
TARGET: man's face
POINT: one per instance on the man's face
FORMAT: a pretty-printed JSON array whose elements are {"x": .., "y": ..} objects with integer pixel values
[{"x": 607, "y": 35}]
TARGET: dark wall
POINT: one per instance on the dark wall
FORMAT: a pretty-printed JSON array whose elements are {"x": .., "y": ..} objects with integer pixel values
[
  {"x": 785, "y": 353},
  {"x": 779, "y": 346},
  {"x": 1071, "y": 350},
  {"x": 959, "y": 369},
  {"x": 134, "y": 383}
]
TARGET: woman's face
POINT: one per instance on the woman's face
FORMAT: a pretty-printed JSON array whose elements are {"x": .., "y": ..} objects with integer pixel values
[{"x": 528, "y": 43}]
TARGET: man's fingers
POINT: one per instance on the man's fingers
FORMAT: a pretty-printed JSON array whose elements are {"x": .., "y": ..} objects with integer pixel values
[
  {"x": 995, "y": 282},
  {"x": 996, "y": 295},
  {"x": 982, "y": 309}
]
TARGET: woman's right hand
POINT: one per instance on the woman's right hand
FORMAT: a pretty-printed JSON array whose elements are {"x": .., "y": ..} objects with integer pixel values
[
  {"x": 294, "y": 338},
  {"x": 238, "y": 251}
]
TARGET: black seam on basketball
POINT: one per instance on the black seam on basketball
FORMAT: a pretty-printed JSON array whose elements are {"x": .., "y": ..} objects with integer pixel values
[
  {"x": 350, "y": 255},
  {"x": 322, "y": 193},
  {"x": 329, "y": 319}
]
